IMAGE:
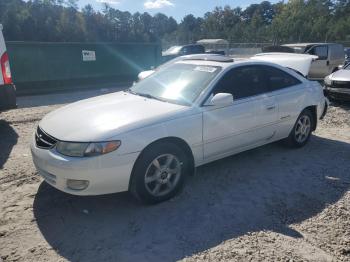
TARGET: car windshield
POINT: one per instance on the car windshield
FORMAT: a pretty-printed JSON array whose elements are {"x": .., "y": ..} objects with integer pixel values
[
  {"x": 177, "y": 83},
  {"x": 298, "y": 49}
]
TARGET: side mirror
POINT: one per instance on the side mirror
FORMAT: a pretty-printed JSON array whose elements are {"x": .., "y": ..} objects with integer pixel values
[{"x": 221, "y": 99}]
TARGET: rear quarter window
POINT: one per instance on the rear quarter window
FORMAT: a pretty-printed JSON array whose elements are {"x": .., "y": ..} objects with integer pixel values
[{"x": 277, "y": 79}]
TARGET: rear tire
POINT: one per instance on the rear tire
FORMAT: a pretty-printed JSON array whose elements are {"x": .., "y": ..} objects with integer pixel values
[
  {"x": 301, "y": 132},
  {"x": 159, "y": 173}
]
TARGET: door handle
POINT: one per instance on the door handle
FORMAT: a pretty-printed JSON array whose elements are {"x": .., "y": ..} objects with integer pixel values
[
  {"x": 328, "y": 62},
  {"x": 271, "y": 107}
]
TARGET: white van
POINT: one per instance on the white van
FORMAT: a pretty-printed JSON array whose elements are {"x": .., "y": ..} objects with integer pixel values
[
  {"x": 330, "y": 57},
  {"x": 7, "y": 88}
]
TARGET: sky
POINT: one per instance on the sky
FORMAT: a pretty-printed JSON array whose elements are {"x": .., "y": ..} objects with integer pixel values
[{"x": 175, "y": 8}]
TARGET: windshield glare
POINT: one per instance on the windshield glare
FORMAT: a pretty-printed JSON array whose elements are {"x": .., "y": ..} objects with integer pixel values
[{"x": 177, "y": 83}]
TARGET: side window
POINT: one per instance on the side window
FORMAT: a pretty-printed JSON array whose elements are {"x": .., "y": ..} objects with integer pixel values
[
  {"x": 185, "y": 50},
  {"x": 278, "y": 79},
  {"x": 320, "y": 51},
  {"x": 242, "y": 82},
  {"x": 197, "y": 49}
]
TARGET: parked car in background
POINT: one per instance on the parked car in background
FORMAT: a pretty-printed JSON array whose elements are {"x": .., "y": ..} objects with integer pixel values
[
  {"x": 7, "y": 88},
  {"x": 347, "y": 55},
  {"x": 337, "y": 84},
  {"x": 215, "y": 46},
  {"x": 330, "y": 56},
  {"x": 186, "y": 114},
  {"x": 176, "y": 51}
]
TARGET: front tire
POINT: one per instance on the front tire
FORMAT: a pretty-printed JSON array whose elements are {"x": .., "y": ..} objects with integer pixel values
[
  {"x": 159, "y": 173},
  {"x": 301, "y": 132}
]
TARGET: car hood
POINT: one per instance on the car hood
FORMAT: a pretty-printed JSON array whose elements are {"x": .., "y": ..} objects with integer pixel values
[
  {"x": 340, "y": 75},
  {"x": 298, "y": 62},
  {"x": 102, "y": 117}
]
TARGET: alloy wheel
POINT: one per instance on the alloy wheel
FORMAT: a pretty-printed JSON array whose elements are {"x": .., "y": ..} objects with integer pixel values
[
  {"x": 163, "y": 174},
  {"x": 302, "y": 129}
]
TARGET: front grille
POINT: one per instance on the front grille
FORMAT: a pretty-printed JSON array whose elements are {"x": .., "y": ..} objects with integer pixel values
[
  {"x": 44, "y": 140},
  {"x": 341, "y": 84}
]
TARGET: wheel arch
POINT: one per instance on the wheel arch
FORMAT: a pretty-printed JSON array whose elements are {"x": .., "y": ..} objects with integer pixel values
[{"x": 174, "y": 140}]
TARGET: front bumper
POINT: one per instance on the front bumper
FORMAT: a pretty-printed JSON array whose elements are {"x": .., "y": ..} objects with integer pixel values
[
  {"x": 105, "y": 174},
  {"x": 7, "y": 97},
  {"x": 338, "y": 93}
]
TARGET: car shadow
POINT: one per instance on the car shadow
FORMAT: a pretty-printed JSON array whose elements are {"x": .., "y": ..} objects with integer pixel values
[
  {"x": 268, "y": 188},
  {"x": 342, "y": 104},
  {"x": 8, "y": 138}
]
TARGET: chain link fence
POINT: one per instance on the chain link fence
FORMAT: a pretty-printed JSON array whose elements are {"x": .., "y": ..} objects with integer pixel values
[{"x": 235, "y": 49}]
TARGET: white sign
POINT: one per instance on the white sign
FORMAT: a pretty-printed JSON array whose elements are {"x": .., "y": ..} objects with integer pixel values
[
  {"x": 208, "y": 69},
  {"x": 88, "y": 55}
]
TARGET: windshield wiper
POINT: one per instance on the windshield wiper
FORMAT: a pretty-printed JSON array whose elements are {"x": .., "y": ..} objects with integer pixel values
[
  {"x": 151, "y": 97},
  {"x": 146, "y": 95}
]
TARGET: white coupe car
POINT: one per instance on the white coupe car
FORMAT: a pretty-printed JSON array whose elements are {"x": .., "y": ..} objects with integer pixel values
[{"x": 193, "y": 111}]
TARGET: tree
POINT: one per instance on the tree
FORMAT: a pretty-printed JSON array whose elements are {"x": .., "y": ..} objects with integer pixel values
[{"x": 285, "y": 21}]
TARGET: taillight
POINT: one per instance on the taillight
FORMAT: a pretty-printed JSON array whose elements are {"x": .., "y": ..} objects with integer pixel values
[{"x": 5, "y": 68}]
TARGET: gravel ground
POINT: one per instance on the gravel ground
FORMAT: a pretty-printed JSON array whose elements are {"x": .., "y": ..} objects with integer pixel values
[{"x": 268, "y": 204}]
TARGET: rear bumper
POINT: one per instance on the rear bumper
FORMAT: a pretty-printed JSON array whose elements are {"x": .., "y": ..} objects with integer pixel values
[{"x": 7, "y": 97}]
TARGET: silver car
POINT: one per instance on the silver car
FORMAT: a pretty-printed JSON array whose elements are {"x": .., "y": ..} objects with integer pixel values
[{"x": 337, "y": 84}]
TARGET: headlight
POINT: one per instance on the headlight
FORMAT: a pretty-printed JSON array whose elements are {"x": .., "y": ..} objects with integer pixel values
[
  {"x": 87, "y": 149},
  {"x": 327, "y": 81}
]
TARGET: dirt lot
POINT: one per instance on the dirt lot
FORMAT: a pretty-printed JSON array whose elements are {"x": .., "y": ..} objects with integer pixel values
[{"x": 267, "y": 204}]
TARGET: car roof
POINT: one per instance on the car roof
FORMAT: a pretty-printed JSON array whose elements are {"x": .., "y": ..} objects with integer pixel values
[
  {"x": 307, "y": 44},
  {"x": 207, "y": 59},
  {"x": 223, "y": 65},
  {"x": 297, "y": 62}
]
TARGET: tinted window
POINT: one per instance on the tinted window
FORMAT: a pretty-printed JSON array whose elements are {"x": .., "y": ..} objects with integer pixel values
[
  {"x": 186, "y": 50},
  {"x": 243, "y": 82},
  {"x": 192, "y": 49},
  {"x": 197, "y": 49},
  {"x": 278, "y": 79},
  {"x": 320, "y": 51}
]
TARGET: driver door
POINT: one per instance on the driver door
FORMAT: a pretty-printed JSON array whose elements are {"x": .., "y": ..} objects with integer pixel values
[{"x": 243, "y": 123}]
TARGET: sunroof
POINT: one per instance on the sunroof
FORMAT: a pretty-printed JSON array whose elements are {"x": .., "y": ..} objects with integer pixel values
[{"x": 214, "y": 58}]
